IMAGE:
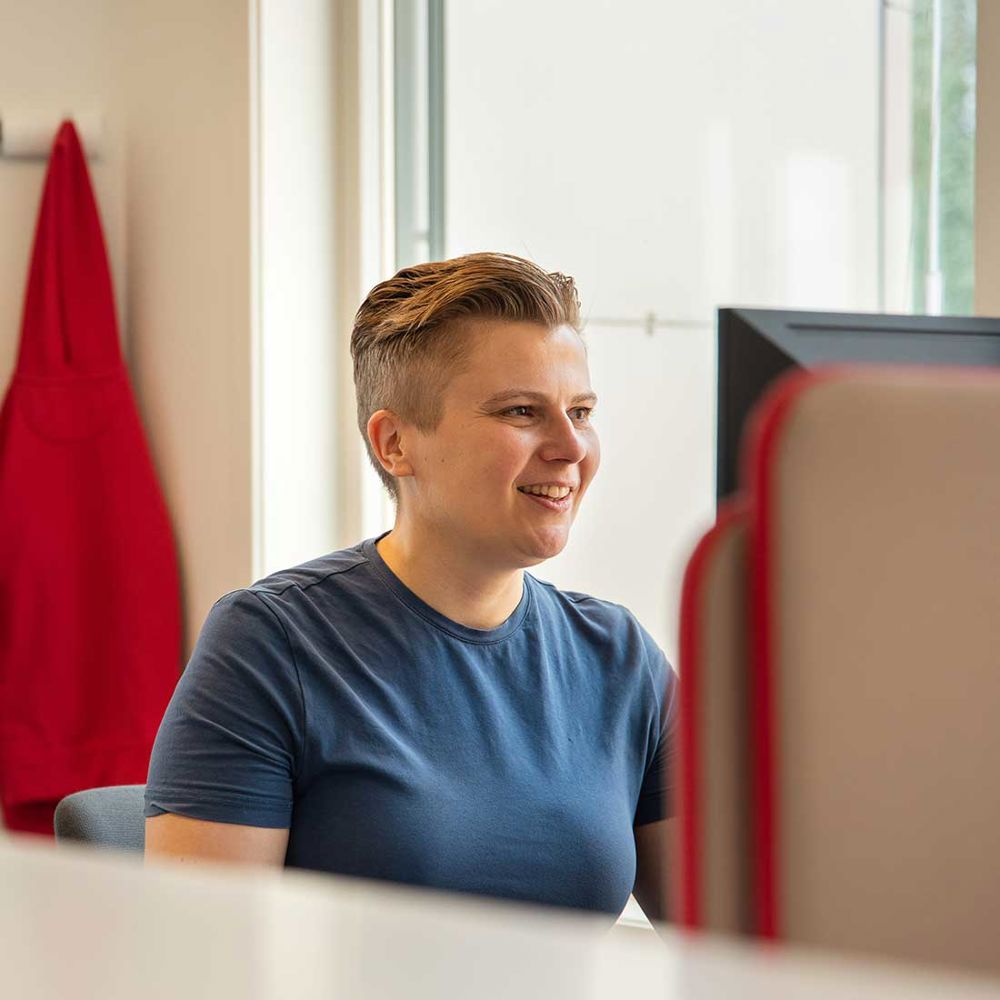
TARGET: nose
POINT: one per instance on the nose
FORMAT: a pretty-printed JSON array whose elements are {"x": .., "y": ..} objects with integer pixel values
[{"x": 564, "y": 441}]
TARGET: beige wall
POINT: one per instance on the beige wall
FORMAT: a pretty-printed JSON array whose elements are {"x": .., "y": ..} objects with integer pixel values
[
  {"x": 173, "y": 81},
  {"x": 987, "y": 245},
  {"x": 54, "y": 55}
]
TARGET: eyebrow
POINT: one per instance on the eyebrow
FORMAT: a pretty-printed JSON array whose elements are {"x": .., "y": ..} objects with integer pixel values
[{"x": 537, "y": 397}]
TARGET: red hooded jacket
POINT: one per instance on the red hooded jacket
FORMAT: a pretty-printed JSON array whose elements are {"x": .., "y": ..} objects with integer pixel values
[{"x": 89, "y": 594}]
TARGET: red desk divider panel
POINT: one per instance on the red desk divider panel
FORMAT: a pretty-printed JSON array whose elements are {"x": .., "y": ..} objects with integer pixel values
[
  {"x": 713, "y": 769},
  {"x": 875, "y": 615}
]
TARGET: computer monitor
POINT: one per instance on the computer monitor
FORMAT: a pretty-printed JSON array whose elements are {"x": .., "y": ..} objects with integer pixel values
[{"x": 757, "y": 345}]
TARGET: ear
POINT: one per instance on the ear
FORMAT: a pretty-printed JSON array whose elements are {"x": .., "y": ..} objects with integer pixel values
[{"x": 385, "y": 433}]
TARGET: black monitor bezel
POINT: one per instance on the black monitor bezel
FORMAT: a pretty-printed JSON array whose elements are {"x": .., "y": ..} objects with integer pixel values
[{"x": 781, "y": 334}]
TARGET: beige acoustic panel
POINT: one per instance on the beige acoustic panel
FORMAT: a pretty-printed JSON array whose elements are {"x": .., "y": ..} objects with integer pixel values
[
  {"x": 885, "y": 598},
  {"x": 714, "y": 669}
]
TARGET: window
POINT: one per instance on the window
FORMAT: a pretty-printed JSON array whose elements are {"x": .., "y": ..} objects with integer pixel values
[
  {"x": 929, "y": 133},
  {"x": 418, "y": 85}
]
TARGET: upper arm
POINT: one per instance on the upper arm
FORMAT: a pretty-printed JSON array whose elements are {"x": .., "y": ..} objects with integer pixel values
[
  {"x": 230, "y": 745},
  {"x": 654, "y": 830},
  {"x": 653, "y": 852},
  {"x": 185, "y": 839}
]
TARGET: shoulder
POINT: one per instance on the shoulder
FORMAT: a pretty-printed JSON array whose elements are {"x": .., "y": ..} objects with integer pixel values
[
  {"x": 609, "y": 636},
  {"x": 550, "y": 592},
  {"x": 610, "y": 625},
  {"x": 283, "y": 613},
  {"x": 585, "y": 607},
  {"x": 265, "y": 608},
  {"x": 334, "y": 567},
  {"x": 286, "y": 592}
]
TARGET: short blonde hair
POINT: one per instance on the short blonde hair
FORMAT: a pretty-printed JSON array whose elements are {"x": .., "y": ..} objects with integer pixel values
[{"x": 410, "y": 335}]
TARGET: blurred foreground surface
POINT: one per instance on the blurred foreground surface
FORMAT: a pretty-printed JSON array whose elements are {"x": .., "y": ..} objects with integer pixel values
[{"x": 74, "y": 922}]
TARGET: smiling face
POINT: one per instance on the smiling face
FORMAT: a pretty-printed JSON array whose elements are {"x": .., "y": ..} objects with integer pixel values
[{"x": 515, "y": 435}]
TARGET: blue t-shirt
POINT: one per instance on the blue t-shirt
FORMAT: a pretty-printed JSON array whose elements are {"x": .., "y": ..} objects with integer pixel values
[{"x": 395, "y": 743}]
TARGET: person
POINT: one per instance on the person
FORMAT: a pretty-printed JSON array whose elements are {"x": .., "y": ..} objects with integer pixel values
[{"x": 418, "y": 707}]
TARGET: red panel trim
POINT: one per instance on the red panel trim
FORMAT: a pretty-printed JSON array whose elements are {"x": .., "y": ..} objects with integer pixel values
[
  {"x": 690, "y": 887},
  {"x": 760, "y": 450}
]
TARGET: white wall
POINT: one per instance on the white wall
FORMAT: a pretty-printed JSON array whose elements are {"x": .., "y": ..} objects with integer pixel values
[{"x": 672, "y": 157}]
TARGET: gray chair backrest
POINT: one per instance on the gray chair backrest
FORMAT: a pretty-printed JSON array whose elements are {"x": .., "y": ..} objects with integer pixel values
[{"x": 104, "y": 817}]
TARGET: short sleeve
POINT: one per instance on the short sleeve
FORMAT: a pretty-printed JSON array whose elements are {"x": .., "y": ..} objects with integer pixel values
[
  {"x": 656, "y": 792},
  {"x": 230, "y": 741}
]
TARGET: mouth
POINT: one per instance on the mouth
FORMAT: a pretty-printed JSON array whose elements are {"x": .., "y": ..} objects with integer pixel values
[{"x": 558, "y": 497}]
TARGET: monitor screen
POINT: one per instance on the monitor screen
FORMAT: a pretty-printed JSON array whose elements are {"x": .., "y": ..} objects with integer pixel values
[{"x": 757, "y": 345}]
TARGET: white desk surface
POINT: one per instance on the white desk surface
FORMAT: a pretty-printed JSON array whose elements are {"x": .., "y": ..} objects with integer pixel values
[{"x": 75, "y": 923}]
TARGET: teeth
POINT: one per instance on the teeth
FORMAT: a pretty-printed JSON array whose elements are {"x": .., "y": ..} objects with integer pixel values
[{"x": 552, "y": 492}]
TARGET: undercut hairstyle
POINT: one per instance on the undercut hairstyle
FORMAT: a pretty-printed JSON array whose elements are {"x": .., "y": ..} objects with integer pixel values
[{"x": 412, "y": 333}]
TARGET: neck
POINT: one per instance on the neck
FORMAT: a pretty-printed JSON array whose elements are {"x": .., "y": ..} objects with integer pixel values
[{"x": 453, "y": 582}]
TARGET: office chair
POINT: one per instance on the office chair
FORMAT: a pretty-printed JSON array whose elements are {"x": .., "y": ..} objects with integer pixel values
[{"x": 103, "y": 817}]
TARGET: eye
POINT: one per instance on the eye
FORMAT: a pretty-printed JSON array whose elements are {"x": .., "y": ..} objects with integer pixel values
[
  {"x": 582, "y": 413},
  {"x": 518, "y": 411}
]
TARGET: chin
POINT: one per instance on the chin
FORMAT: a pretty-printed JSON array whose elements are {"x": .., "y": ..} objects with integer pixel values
[{"x": 540, "y": 549}]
